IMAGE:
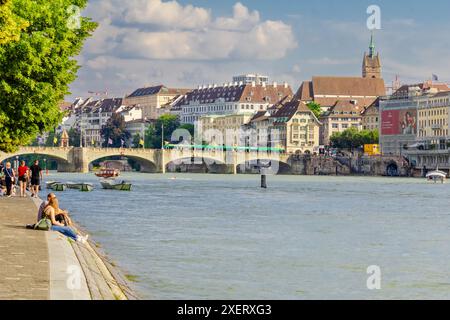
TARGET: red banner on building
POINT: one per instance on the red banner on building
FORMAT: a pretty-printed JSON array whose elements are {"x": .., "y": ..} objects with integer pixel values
[{"x": 399, "y": 122}]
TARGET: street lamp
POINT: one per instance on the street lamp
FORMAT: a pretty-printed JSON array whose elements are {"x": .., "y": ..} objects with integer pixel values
[
  {"x": 17, "y": 162},
  {"x": 162, "y": 136},
  {"x": 100, "y": 120}
]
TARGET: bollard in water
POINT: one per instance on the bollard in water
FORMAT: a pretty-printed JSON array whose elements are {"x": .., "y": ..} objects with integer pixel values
[{"x": 263, "y": 181}]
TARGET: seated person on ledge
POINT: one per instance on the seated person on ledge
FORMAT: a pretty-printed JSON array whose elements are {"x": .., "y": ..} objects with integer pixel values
[
  {"x": 61, "y": 216},
  {"x": 51, "y": 211}
]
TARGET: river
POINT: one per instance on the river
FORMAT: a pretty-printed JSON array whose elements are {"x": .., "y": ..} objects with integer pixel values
[{"x": 194, "y": 236}]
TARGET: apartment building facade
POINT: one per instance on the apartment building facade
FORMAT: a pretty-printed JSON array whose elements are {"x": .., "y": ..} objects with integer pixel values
[
  {"x": 230, "y": 99},
  {"x": 152, "y": 99}
]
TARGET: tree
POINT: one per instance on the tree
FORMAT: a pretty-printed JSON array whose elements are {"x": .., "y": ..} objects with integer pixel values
[
  {"x": 115, "y": 130},
  {"x": 10, "y": 24},
  {"x": 37, "y": 64},
  {"x": 74, "y": 137},
  {"x": 188, "y": 127},
  {"x": 53, "y": 139},
  {"x": 137, "y": 141},
  {"x": 352, "y": 138},
  {"x": 153, "y": 135},
  {"x": 315, "y": 108}
]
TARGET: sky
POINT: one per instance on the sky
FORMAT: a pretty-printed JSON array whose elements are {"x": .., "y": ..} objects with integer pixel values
[{"x": 187, "y": 43}]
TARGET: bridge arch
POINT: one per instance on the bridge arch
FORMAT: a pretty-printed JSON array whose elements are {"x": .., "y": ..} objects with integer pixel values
[
  {"x": 196, "y": 164},
  {"x": 57, "y": 154},
  {"x": 392, "y": 169},
  {"x": 275, "y": 165},
  {"x": 147, "y": 165}
]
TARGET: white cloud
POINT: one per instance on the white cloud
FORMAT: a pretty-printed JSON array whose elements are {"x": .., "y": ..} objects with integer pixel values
[
  {"x": 169, "y": 31},
  {"x": 242, "y": 19},
  {"x": 168, "y": 14}
]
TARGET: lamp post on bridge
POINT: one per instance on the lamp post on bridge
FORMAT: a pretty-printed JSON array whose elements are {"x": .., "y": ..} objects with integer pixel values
[{"x": 162, "y": 149}]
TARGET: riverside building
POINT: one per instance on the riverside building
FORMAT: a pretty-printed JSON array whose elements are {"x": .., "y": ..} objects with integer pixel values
[
  {"x": 152, "y": 99},
  {"x": 231, "y": 98},
  {"x": 415, "y": 121},
  {"x": 289, "y": 125}
]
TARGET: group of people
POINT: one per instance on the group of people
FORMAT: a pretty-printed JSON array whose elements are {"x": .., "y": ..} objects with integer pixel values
[
  {"x": 30, "y": 178},
  {"x": 59, "y": 219},
  {"x": 24, "y": 177}
]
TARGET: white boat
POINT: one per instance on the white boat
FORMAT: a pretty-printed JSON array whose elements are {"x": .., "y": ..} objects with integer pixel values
[
  {"x": 82, "y": 186},
  {"x": 113, "y": 185},
  {"x": 436, "y": 176}
]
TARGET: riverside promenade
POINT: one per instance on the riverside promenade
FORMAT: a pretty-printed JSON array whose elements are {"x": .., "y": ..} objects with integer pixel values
[{"x": 39, "y": 265}]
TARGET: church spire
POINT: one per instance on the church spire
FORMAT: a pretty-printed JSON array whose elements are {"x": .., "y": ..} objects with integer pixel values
[
  {"x": 372, "y": 46},
  {"x": 371, "y": 63}
]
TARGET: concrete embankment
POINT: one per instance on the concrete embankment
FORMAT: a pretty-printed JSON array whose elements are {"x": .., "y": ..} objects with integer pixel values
[{"x": 42, "y": 265}]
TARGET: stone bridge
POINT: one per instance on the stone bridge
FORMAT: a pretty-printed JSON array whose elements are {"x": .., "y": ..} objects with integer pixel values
[{"x": 75, "y": 159}]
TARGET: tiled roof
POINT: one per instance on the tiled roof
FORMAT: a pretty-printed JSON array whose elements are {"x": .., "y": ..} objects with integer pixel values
[
  {"x": 107, "y": 105},
  {"x": 289, "y": 109},
  {"x": 148, "y": 91},
  {"x": 344, "y": 109},
  {"x": 245, "y": 93},
  {"x": 260, "y": 116},
  {"x": 326, "y": 91},
  {"x": 404, "y": 90},
  {"x": 374, "y": 107},
  {"x": 348, "y": 86},
  {"x": 65, "y": 106},
  {"x": 305, "y": 92}
]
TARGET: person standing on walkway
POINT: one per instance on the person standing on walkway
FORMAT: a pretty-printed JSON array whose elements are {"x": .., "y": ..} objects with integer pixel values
[
  {"x": 23, "y": 171},
  {"x": 10, "y": 177},
  {"x": 36, "y": 178}
]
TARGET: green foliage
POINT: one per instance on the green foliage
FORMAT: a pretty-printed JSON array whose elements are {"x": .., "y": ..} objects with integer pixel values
[
  {"x": 50, "y": 142},
  {"x": 10, "y": 24},
  {"x": 115, "y": 129},
  {"x": 136, "y": 143},
  {"x": 353, "y": 138},
  {"x": 153, "y": 135},
  {"x": 315, "y": 108},
  {"x": 189, "y": 127},
  {"x": 74, "y": 137},
  {"x": 37, "y": 68}
]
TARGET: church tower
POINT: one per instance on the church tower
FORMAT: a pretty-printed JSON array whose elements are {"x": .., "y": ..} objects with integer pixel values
[{"x": 371, "y": 63}]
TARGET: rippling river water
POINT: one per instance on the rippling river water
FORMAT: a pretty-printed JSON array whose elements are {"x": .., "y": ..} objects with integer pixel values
[{"x": 222, "y": 237}]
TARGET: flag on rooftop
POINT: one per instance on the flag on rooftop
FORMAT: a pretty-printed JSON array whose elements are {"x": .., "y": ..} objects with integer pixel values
[{"x": 435, "y": 77}]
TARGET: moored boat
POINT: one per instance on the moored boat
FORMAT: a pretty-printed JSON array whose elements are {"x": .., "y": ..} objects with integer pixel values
[
  {"x": 59, "y": 187},
  {"x": 87, "y": 187},
  {"x": 82, "y": 186},
  {"x": 436, "y": 176},
  {"x": 108, "y": 173},
  {"x": 113, "y": 185},
  {"x": 50, "y": 184}
]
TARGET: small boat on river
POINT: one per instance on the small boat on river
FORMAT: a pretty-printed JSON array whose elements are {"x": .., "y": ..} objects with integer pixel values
[
  {"x": 59, "y": 187},
  {"x": 113, "y": 185},
  {"x": 108, "y": 173},
  {"x": 85, "y": 187},
  {"x": 437, "y": 176},
  {"x": 50, "y": 184}
]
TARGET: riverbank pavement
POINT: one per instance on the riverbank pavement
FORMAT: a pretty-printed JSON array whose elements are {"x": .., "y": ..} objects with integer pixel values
[{"x": 45, "y": 265}]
